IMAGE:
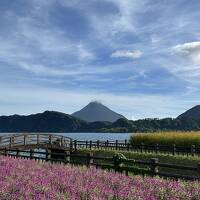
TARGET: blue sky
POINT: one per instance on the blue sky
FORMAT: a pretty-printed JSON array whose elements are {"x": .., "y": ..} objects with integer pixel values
[{"x": 140, "y": 58}]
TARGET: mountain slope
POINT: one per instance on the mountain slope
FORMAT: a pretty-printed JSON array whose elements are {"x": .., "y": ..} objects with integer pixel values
[
  {"x": 193, "y": 113},
  {"x": 48, "y": 121},
  {"x": 96, "y": 111}
]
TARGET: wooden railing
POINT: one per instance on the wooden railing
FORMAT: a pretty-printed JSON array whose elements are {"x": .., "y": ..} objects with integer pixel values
[
  {"x": 27, "y": 141},
  {"x": 125, "y": 146},
  {"x": 117, "y": 163},
  {"x": 37, "y": 140}
]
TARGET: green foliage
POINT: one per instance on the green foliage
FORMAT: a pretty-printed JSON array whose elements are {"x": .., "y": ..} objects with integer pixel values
[
  {"x": 118, "y": 161},
  {"x": 118, "y": 158}
]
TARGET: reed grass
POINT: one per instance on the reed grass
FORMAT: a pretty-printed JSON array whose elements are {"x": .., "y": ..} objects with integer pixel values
[{"x": 167, "y": 138}]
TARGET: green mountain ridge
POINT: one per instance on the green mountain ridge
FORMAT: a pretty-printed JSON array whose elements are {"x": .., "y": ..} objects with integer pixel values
[{"x": 55, "y": 122}]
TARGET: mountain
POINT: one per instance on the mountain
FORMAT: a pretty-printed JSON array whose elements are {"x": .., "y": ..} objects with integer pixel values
[
  {"x": 192, "y": 114},
  {"x": 96, "y": 111},
  {"x": 55, "y": 122},
  {"x": 48, "y": 121}
]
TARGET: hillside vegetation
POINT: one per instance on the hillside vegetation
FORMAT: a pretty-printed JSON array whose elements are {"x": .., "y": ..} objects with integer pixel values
[{"x": 167, "y": 138}]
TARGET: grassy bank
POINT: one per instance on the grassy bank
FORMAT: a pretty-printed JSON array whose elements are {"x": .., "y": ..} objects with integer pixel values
[{"x": 167, "y": 138}]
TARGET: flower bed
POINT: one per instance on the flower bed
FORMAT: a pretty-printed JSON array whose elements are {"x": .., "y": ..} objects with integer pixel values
[{"x": 28, "y": 179}]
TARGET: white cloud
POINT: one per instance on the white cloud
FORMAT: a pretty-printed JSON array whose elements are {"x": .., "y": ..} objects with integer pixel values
[
  {"x": 190, "y": 50},
  {"x": 127, "y": 54},
  {"x": 184, "y": 62}
]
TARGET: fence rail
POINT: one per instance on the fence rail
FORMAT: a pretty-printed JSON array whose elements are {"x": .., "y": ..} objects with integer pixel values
[
  {"x": 125, "y": 146},
  {"x": 116, "y": 163},
  {"x": 34, "y": 139}
]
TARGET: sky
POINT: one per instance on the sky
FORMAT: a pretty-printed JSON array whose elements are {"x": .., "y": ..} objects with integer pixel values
[{"x": 140, "y": 58}]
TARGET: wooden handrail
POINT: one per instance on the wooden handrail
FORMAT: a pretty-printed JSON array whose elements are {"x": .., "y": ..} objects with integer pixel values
[{"x": 15, "y": 140}]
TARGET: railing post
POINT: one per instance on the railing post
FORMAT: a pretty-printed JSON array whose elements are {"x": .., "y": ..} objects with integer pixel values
[
  {"x": 107, "y": 144},
  {"x": 10, "y": 143},
  {"x": 17, "y": 153},
  {"x": 89, "y": 159},
  {"x": 193, "y": 150},
  {"x": 0, "y": 139},
  {"x": 97, "y": 144},
  {"x": 75, "y": 145},
  {"x": 154, "y": 166},
  {"x": 25, "y": 140},
  {"x": 128, "y": 147},
  {"x": 124, "y": 145},
  {"x": 31, "y": 153},
  {"x": 90, "y": 144},
  {"x": 86, "y": 144},
  {"x": 13, "y": 140},
  {"x": 125, "y": 141},
  {"x": 38, "y": 139},
  {"x": 50, "y": 139},
  {"x": 173, "y": 149},
  {"x": 157, "y": 148},
  {"x": 67, "y": 160},
  {"x": 5, "y": 152},
  {"x": 71, "y": 145},
  {"x": 48, "y": 155},
  {"x": 61, "y": 141},
  {"x": 142, "y": 147},
  {"x": 198, "y": 170},
  {"x": 116, "y": 144}
]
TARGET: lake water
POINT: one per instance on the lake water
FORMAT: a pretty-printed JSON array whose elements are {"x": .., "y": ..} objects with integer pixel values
[
  {"x": 98, "y": 136},
  {"x": 93, "y": 136}
]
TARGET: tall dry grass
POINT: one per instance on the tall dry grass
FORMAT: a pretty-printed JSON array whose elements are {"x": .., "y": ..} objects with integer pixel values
[{"x": 167, "y": 138}]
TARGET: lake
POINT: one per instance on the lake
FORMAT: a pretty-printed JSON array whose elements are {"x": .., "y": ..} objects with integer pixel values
[{"x": 98, "y": 136}]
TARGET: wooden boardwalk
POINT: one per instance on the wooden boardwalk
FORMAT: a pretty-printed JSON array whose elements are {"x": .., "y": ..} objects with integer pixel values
[{"x": 35, "y": 140}]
